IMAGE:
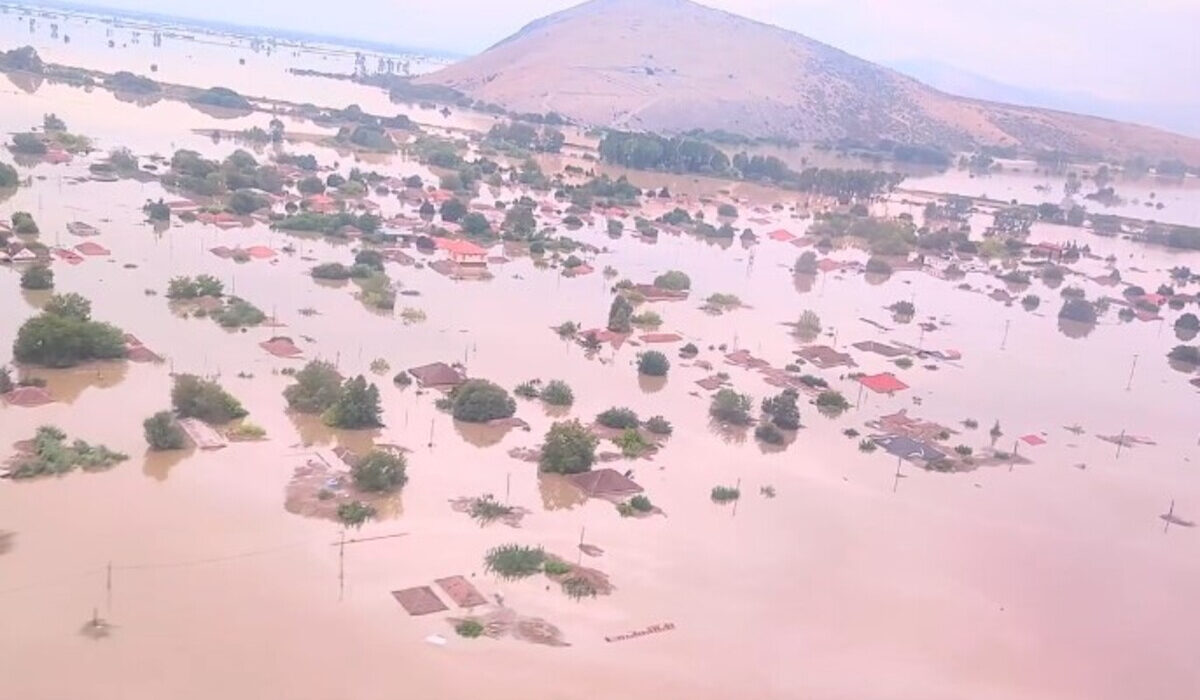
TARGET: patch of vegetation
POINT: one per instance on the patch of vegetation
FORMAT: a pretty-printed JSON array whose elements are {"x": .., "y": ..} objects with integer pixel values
[
  {"x": 23, "y": 223},
  {"x": 239, "y": 313},
  {"x": 567, "y": 329},
  {"x": 632, "y": 443},
  {"x": 246, "y": 431},
  {"x": 728, "y": 406},
  {"x": 356, "y": 406},
  {"x": 355, "y": 513},
  {"x": 809, "y": 325},
  {"x": 782, "y": 409},
  {"x": 620, "y": 315},
  {"x": 618, "y": 418},
  {"x": 379, "y": 471},
  {"x": 1030, "y": 302},
  {"x": 647, "y": 319},
  {"x": 557, "y": 393},
  {"x": 528, "y": 389},
  {"x": 723, "y": 301},
  {"x": 659, "y": 426},
  {"x": 37, "y": 277},
  {"x": 673, "y": 280},
  {"x": 480, "y": 401},
  {"x": 128, "y": 83},
  {"x": 511, "y": 562},
  {"x": 8, "y": 177},
  {"x": 806, "y": 264},
  {"x": 486, "y": 509},
  {"x": 1079, "y": 310},
  {"x": 878, "y": 266},
  {"x": 556, "y": 567},
  {"x": 903, "y": 309},
  {"x": 689, "y": 350},
  {"x": 569, "y": 448},
  {"x": 318, "y": 385},
  {"x": 653, "y": 364},
  {"x": 191, "y": 288},
  {"x": 832, "y": 402},
  {"x": 193, "y": 397},
  {"x": 866, "y": 445},
  {"x": 470, "y": 629},
  {"x": 1185, "y": 354},
  {"x": 163, "y": 432},
  {"x": 53, "y": 455},
  {"x": 221, "y": 97},
  {"x": 67, "y": 338},
  {"x": 725, "y": 494}
]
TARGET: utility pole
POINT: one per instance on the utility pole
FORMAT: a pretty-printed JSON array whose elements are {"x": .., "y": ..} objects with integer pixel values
[
  {"x": 1004, "y": 342},
  {"x": 342, "y": 567},
  {"x": 1133, "y": 367}
]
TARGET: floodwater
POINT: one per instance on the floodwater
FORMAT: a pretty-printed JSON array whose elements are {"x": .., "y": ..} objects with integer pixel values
[{"x": 1046, "y": 581}]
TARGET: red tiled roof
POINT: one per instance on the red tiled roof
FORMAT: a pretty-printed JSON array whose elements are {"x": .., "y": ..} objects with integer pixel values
[
  {"x": 780, "y": 235},
  {"x": 885, "y": 383},
  {"x": 459, "y": 247}
]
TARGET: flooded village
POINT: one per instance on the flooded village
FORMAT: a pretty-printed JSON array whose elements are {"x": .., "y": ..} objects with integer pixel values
[{"x": 381, "y": 393}]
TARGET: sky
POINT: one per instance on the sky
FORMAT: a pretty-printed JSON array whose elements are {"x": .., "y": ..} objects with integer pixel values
[{"x": 1142, "y": 51}]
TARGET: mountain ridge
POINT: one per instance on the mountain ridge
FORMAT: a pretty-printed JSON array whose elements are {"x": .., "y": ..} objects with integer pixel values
[{"x": 669, "y": 66}]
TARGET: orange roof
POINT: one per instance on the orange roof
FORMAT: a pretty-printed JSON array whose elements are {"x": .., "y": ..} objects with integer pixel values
[
  {"x": 780, "y": 235},
  {"x": 459, "y": 247}
]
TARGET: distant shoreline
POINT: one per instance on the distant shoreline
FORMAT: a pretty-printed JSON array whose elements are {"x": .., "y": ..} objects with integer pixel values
[{"x": 243, "y": 30}]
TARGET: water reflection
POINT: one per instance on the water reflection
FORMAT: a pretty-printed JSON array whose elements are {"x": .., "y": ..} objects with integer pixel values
[
  {"x": 730, "y": 434},
  {"x": 1075, "y": 330},
  {"x": 157, "y": 464},
  {"x": 555, "y": 412},
  {"x": 876, "y": 279},
  {"x": 803, "y": 283},
  {"x": 25, "y": 82},
  {"x": 1185, "y": 334},
  {"x": 313, "y": 431},
  {"x": 480, "y": 435},
  {"x": 651, "y": 385},
  {"x": 36, "y": 298},
  {"x": 220, "y": 112},
  {"x": 67, "y": 385},
  {"x": 558, "y": 493}
]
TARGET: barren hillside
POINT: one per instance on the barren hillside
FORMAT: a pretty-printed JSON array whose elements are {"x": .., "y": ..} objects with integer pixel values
[{"x": 673, "y": 65}]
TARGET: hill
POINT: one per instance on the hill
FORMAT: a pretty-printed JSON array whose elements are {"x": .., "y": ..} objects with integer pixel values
[{"x": 673, "y": 65}]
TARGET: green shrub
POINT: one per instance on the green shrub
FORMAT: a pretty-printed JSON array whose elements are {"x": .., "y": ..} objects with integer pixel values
[
  {"x": 65, "y": 341},
  {"x": 725, "y": 494},
  {"x": 528, "y": 390},
  {"x": 832, "y": 401},
  {"x": 379, "y": 471},
  {"x": 471, "y": 629},
  {"x": 193, "y": 397},
  {"x": 163, "y": 432},
  {"x": 653, "y": 364},
  {"x": 37, "y": 277},
  {"x": 355, "y": 513},
  {"x": 239, "y": 313},
  {"x": 556, "y": 567},
  {"x": 659, "y": 425},
  {"x": 641, "y": 504},
  {"x": 673, "y": 280},
  {"x": 782, "y": 409},
  {"x": 866, "y": 445},
  {"x": 647, "y": 319},
  {"x": 487, "y": 509},
  {"x": 618, "y": 418},
  {"x": 620, "y": 315},
  {"x": 511, "y": 562},
  {"x": 1186, "y": 354},
  {"x": 728, "y": 406},
  {"x": 631, "y": 442},
  {"x": 558, "y": 393},
  {"x": 569, "y": 448},
  {"x": 52, "y": 454},
  {"x": 316, "y": 388},
  {"x": 356, "y": 406},
  {"x": 479, "y": 401}
]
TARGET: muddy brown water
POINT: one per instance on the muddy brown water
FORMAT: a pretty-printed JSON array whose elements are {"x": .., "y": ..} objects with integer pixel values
[{"x": 1048, "y": 581}]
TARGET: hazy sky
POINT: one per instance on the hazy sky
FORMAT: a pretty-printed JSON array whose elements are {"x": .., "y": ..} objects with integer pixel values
[{"x": 1133, "y": 50}]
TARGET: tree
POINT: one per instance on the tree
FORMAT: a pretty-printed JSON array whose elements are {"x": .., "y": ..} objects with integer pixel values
[
  {"x": 806, "y": 264},
  {"x": 380, "y": 471},
  {"x": 620, "y": 315},
  {"x": 163, "y": 432},
  {"x": 8, "y": 176},
  {"x": 23, "y": 223},
  {"x": 479, "y": 401},
  {"x": 193, "y": 397},
  {"x": 37, "y": 277},
  {"x": 476, "y": 224},
  {"x": 453, "y": 210},
  {"x": 809, "y": 325},
  {"x": 427, "y": 209},
  {"x": 728, "y": 406},
  {"x": 557, "y": 393},
  {"x": 615, "y": 226},
  {"x": 1185, "y": 354},
  {"x": 414, "y": 182},
  {"x": 569, "y": 448},
  {"x": 310, "y": 185},
  {"x": 1080, "y": 310},
  {"x": 727, "y": 210},
  {"x": 618, "y": 418},
  {"x": 782, "y": 409},
  {"x": 64, "y": 341},
  {"x": 28, "y": 144},
  {"x": 70, "y": 305},
  {"x": 1187, "y": 322},
  {"x": 157, "y": 211},
  {"x": 356, "y": 407},
  {"x": 653, "y": 364},
  {"x": 369, "y": 258},
  {"x": 317, "y": 387},
  {"x": 673, "y": 280},
  {"x": 245, "y": 202},
  {"x": 519, "y": 221}
]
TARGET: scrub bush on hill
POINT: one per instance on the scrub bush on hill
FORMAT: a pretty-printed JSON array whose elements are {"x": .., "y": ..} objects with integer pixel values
[
  {"x": 479, "y": 401},
  {"x": 194, "y": 397}
]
